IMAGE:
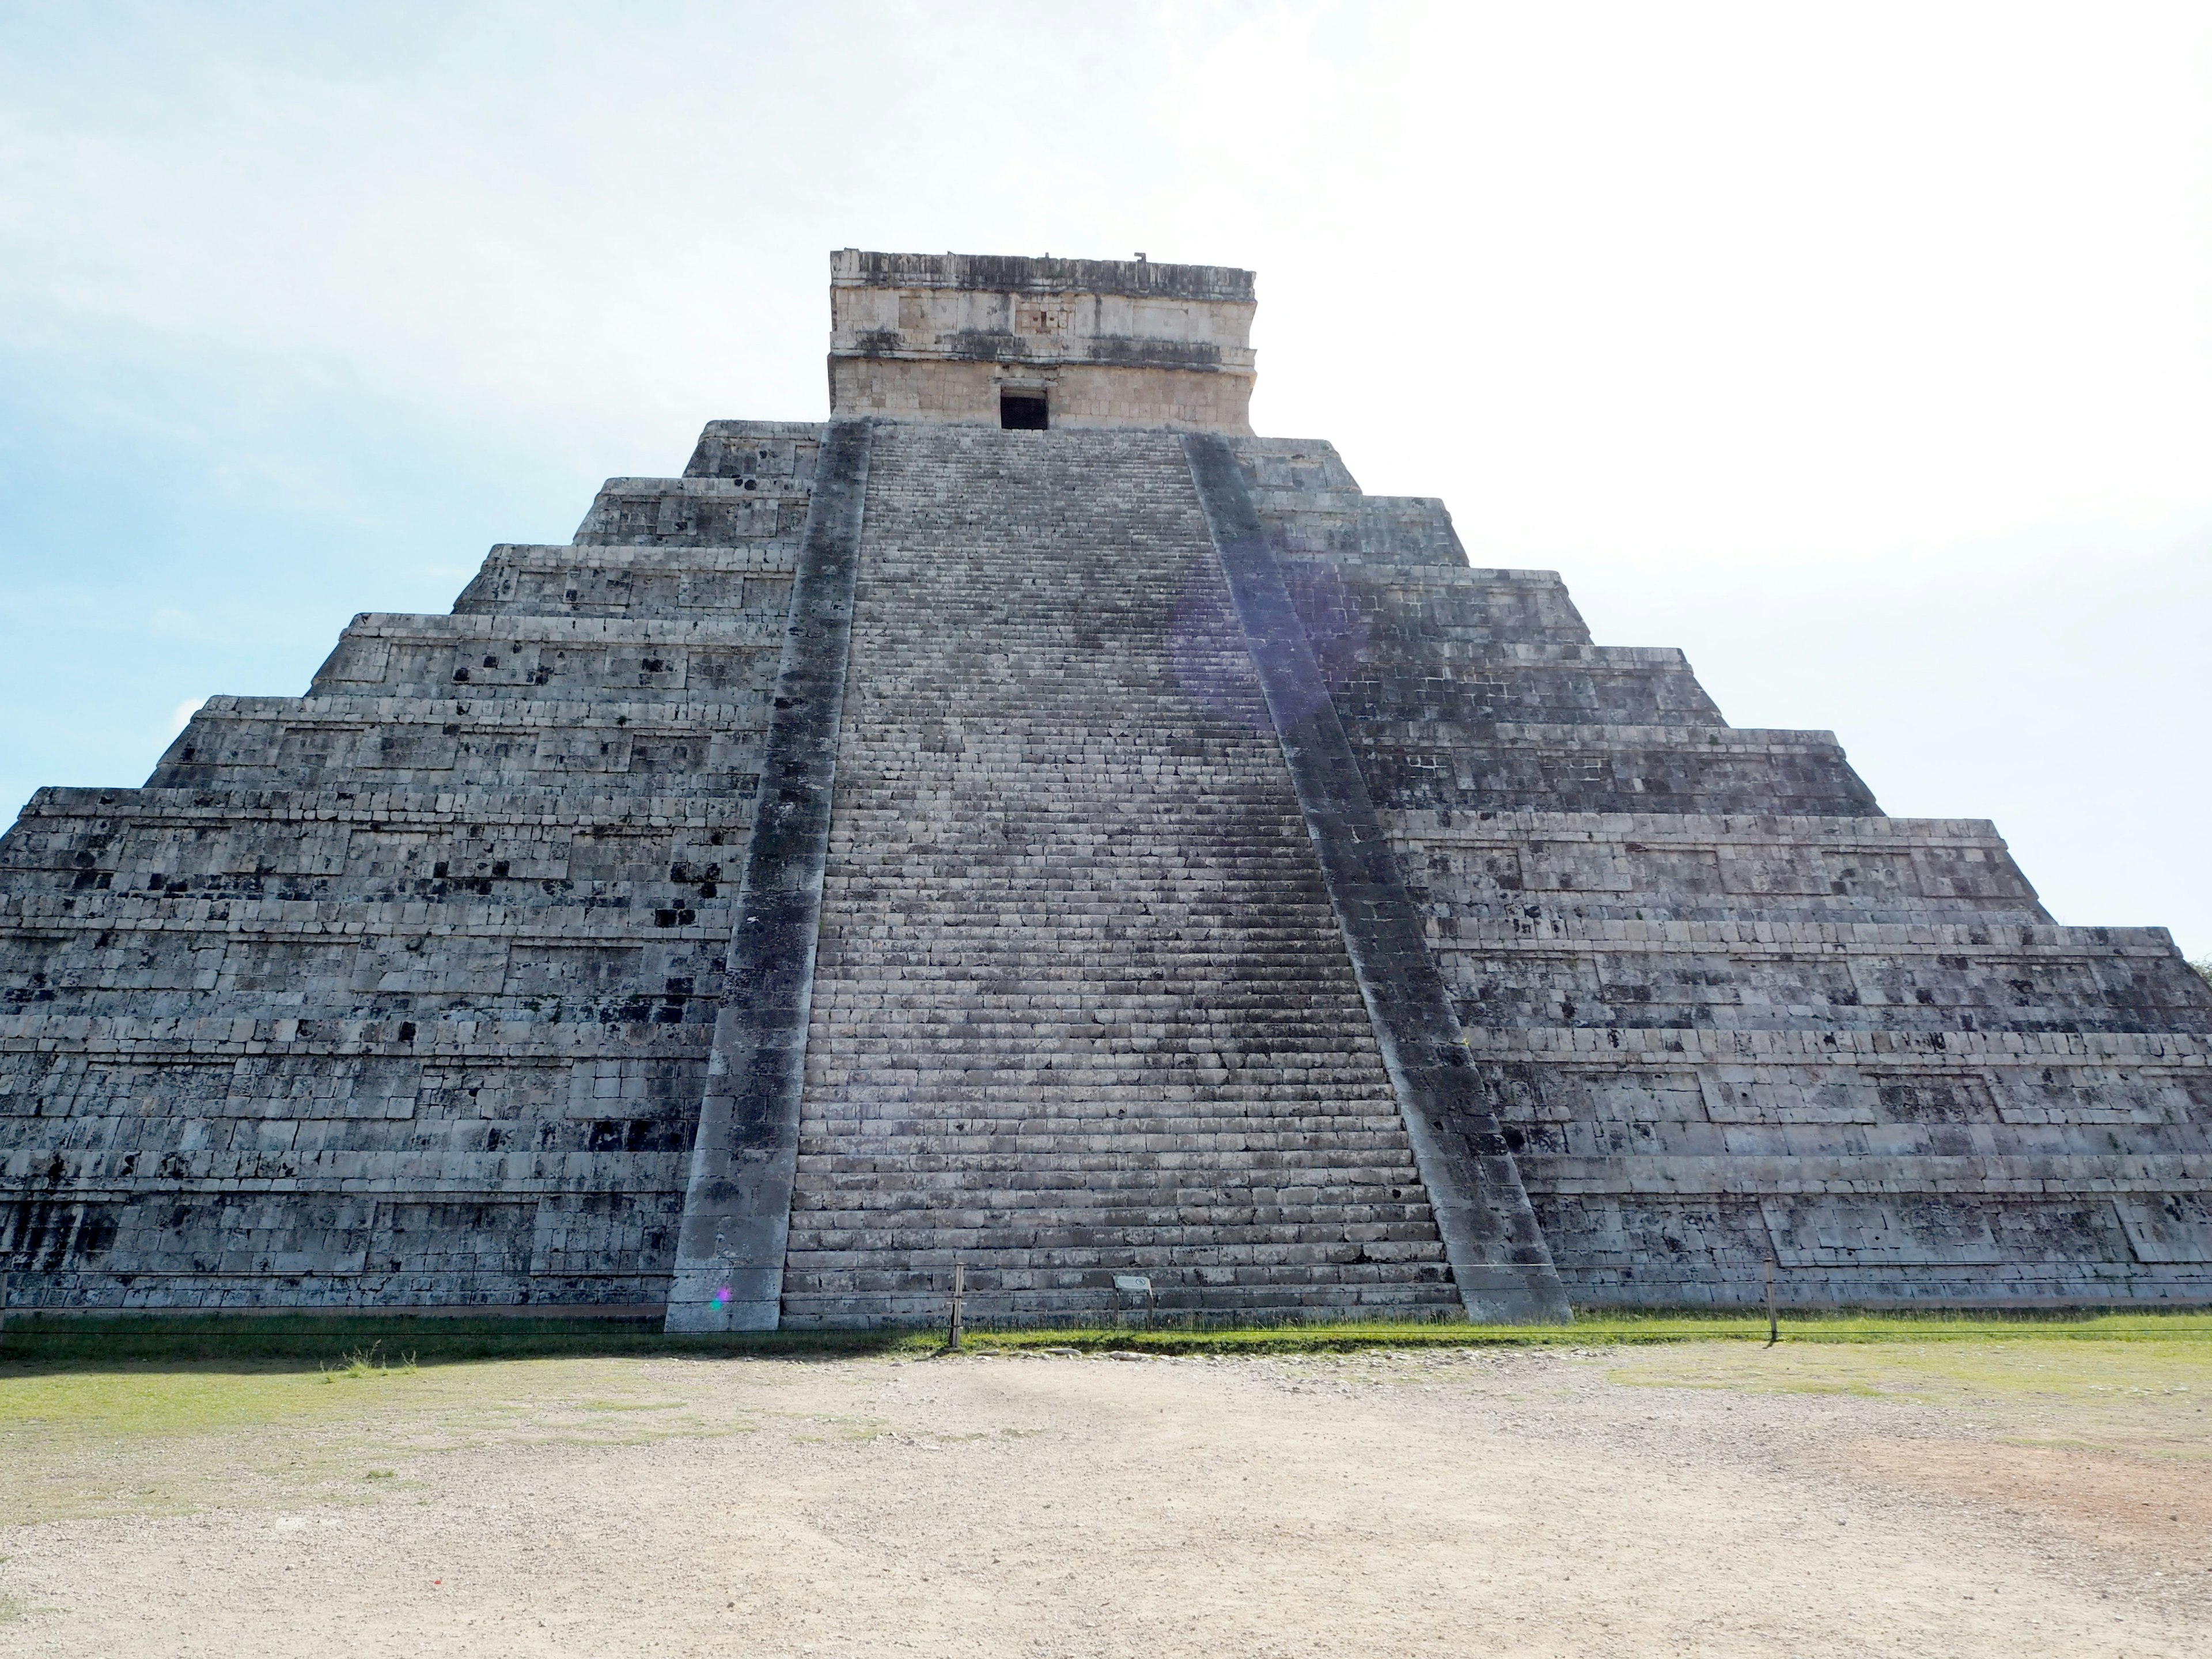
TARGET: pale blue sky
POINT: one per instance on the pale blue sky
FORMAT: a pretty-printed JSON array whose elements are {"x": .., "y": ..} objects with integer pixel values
[{"x": 1864, "y": 352}]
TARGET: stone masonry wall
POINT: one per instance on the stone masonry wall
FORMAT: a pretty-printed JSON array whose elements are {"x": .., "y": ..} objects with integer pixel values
[
  {"x": 402, "y": 993},
  {"x": 1727, "y": 1011},
  {"x": 967, "y": 394},
  {"x": 1108, "y": 343},
  {"x": 399, "y": 993}
]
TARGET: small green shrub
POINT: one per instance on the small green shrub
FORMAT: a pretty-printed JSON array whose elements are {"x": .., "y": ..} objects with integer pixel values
[{"x": 364, "y": 1363}]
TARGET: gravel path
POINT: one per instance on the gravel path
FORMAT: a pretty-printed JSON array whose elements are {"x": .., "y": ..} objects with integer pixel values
[{"x": 1508, "y": 1503}]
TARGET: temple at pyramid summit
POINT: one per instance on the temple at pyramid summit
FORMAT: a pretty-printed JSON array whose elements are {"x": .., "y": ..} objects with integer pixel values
[{"x": 1027, "y": 821}]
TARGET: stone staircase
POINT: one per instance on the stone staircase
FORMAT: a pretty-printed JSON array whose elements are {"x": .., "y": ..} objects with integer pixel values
[{"x": 1081, "y": 1008}]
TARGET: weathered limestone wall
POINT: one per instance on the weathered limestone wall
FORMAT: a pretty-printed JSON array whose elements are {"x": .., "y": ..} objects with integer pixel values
[
  {"x": 1108, "y": 344},
  {"x": 1216, "y": 877},
  {"x": 400, "y": 994},
  {"x": 1080, "y": 395},
  {"x": 1725, "y": 1010}
]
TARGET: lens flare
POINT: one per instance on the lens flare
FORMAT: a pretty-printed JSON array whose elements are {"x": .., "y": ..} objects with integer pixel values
[{"x": 1213, "y": 660}]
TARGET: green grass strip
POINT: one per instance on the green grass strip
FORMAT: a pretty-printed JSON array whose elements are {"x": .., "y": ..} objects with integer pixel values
[{"x": 79, "y": 1341}]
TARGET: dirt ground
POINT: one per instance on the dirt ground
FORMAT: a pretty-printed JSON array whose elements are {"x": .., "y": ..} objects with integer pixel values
[{"x": 2021, "y": 1498}]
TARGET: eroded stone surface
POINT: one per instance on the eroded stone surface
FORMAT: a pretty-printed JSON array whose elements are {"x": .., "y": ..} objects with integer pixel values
[{"x": 405, "y": 992}]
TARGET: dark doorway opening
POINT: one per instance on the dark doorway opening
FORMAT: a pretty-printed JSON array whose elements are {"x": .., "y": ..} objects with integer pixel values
[{"x": 1022, "y": 411}]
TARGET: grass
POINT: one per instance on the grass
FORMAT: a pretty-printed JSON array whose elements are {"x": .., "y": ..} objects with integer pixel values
[
  {"x": 1610, "y": 1329},
  {"x": 368, "y": 1365},
  {"x": 360, "y": 1348},
  {"x": 320, "y": 1340}
]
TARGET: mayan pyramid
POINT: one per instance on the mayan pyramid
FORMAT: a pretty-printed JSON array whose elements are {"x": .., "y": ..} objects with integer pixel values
[{"x": 1027, "y": 820}]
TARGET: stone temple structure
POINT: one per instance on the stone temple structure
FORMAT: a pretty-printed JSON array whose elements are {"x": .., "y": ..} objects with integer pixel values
[{"x": 1029, "y": 820}]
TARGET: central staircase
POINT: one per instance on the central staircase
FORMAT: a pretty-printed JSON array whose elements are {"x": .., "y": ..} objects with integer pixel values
[{"x": 1081, "y": 1008}]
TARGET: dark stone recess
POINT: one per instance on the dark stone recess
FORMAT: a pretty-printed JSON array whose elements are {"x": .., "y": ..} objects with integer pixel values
[
  {"x": 737, "y": 1210},
  {"x": 1498, "y": 1253}
]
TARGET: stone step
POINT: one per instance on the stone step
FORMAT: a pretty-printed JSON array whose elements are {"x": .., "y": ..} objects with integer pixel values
[
  {"x": 1076, "y": 1301},
  {"x": 564, "y": 580},
  {"x": 1600, "y": 770},
  {"x": 914, "y": 1143},
  {"x": 1253, "y": 1247},
  {"x": 125, "y": 914},
  {"x": 549, "y": 658},
  {"x": 94, "y": 952},
  {"x": 1787, "y": 935},
  {"x": 440, "y": 1043},
  {"x": 1543, "y": 869},
  {"x": 1064, "y": 887},
  {"x": 672, "y": 746},
  {"x": 785, "y": 451},
  {"x": 526, "y": 848},
  {"x": 1407, "y": 1232},
  {"x": 703, "y": 512},
  {"x": 1677, "y": 1046}
]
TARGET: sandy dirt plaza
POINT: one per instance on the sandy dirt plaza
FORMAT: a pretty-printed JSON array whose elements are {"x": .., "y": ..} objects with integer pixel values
[{"x": 2035, "y": 1497}]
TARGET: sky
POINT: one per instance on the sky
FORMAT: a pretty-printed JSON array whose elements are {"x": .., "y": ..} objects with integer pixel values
[{"x": 1864, "y": 352}]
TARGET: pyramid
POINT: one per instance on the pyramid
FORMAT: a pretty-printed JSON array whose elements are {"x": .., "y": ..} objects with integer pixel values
[{"x": 1028, "y": 822}]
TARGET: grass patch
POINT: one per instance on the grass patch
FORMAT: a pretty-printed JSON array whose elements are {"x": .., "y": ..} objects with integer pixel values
[
  {"x": 369, "y": 1366},
  {"x": 359, "y": 1348},
  {"x": 317, "y": 1341},
  {"x": 1613, "y": 1329}
]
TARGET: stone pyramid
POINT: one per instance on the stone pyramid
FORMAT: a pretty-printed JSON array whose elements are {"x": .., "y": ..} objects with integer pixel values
[{"x": 1028, "y": 821}]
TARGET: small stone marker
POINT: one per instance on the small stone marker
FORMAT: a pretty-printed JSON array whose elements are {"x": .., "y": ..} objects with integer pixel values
[{"x": 1135, "y": 1284}]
